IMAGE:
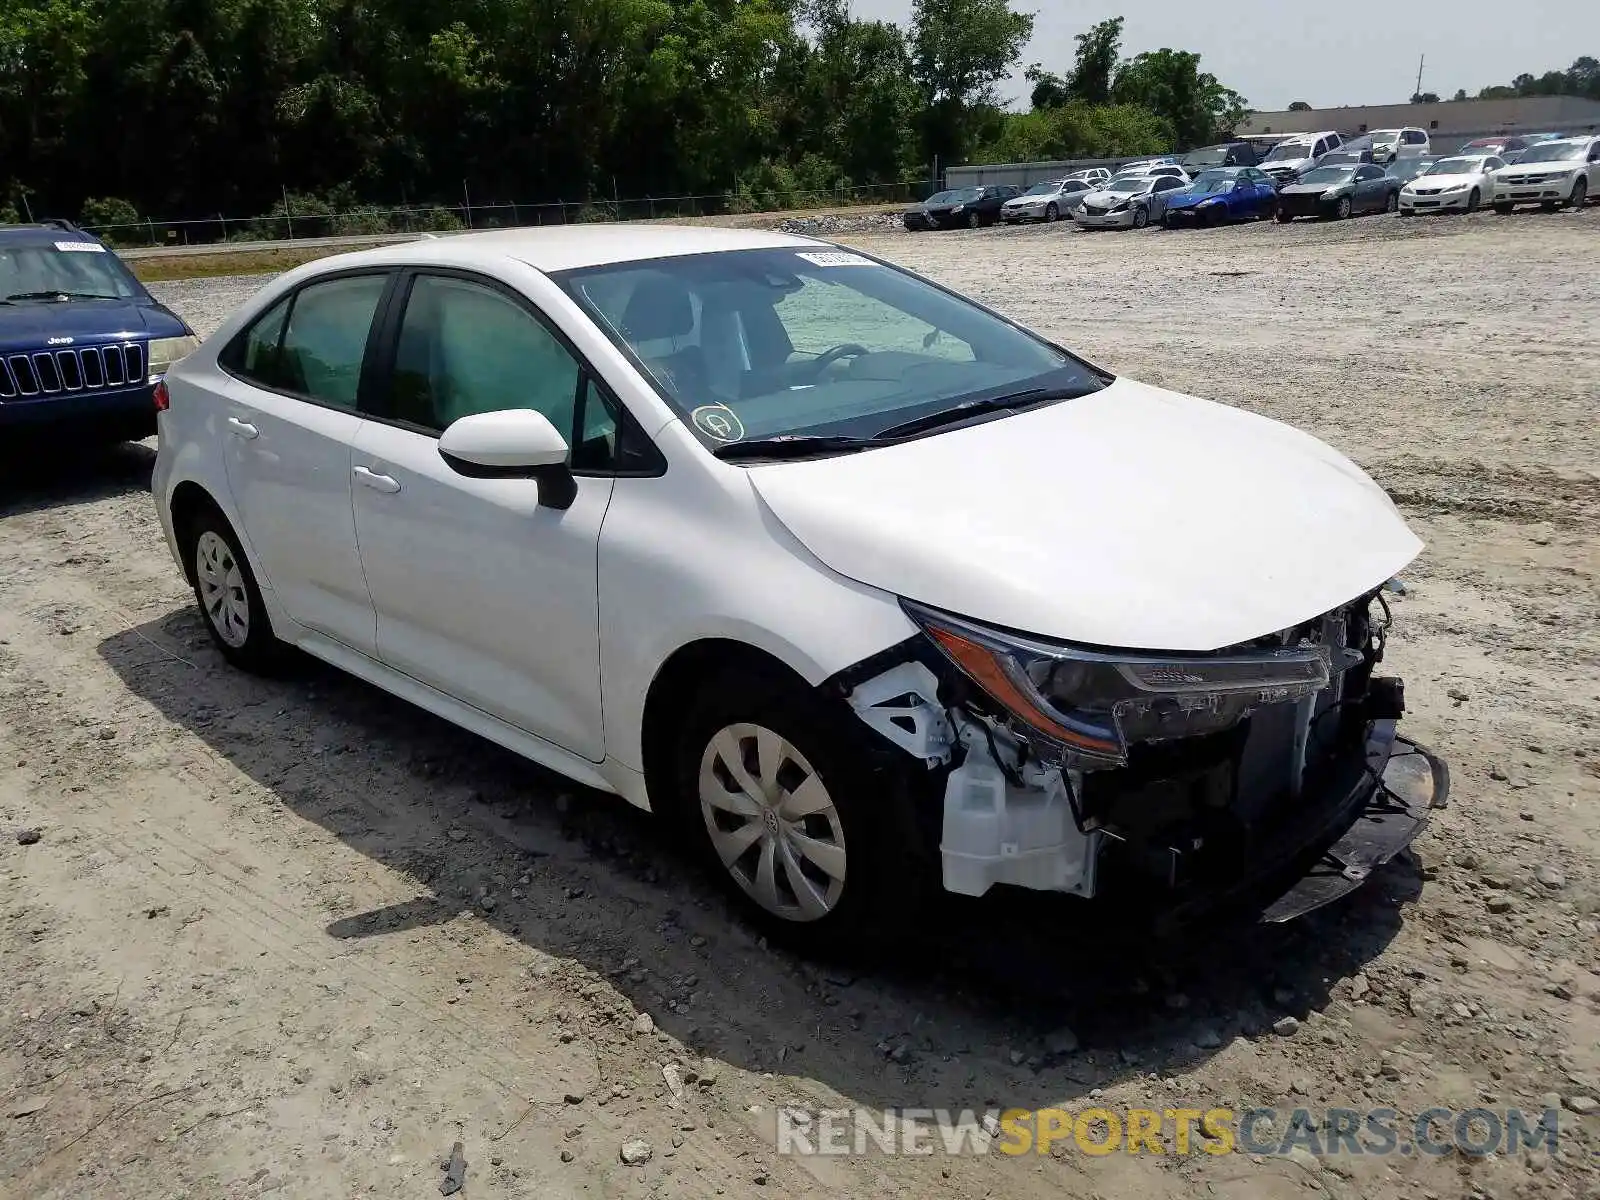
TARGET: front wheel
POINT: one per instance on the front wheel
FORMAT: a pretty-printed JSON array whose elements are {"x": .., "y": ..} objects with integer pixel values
[
  {"x": 1474, "y": 200},
  {"x": 973, "y": 220},
  {"x": 1342, "y": 209},
  {"x": 1580, "y": 193},
  {"x": 1505, "y": 210},
  {"x": 1392, "y": 204},
  {"x": 226, "y": 592},
  {"x": 1051, "y": 212},
  {"x": 1141, "y": 217},
  {"x": 783, "y": 805},
  {"x": 1284, "y": 218}
]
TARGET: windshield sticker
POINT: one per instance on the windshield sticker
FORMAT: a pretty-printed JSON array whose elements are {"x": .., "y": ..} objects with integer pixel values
[
  {"x": 81, "y": 247},
  {"x": 835, "y": 258},
  {"x": 718, "y": 421}
]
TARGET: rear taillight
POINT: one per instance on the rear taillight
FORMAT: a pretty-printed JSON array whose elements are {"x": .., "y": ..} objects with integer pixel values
[{"x": 162, "y": 398}]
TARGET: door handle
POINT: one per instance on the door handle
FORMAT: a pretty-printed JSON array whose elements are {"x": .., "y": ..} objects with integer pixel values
[
  {"x": 378, "y": 483},
  {"x": 242, "y": 428}
]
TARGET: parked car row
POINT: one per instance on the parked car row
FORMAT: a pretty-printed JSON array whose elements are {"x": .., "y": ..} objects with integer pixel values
[{"x": 1316, "y": 175}]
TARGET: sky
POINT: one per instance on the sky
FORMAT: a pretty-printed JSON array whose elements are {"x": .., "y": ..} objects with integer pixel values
[{"x": 1347, "y": 52}]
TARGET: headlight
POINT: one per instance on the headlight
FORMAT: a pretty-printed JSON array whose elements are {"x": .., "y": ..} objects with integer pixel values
[
  {"x": 1090, "y": 706},
  {"x": 1123, "y": 207},
  {"x": 958, "y": 208},
  {"x": 165, "y": 353}
]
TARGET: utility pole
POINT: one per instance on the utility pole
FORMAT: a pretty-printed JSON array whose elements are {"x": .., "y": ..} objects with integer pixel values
[{"x": 1420, "y": 61}]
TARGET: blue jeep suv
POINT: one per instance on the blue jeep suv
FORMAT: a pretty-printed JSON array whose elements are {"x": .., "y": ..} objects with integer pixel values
[{"x": 82, "y": 343}]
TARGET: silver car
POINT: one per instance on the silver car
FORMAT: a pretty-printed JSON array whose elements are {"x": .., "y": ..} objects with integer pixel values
[
  {"x": 1129, "y": 202},
  {"x": 1045, "y": 201}
]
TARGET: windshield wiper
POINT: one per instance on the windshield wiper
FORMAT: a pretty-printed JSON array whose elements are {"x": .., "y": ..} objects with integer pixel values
[
  {"x": 1012, "y": 401},
  {"x": 56, "y": 293},
  {"x": 793, "y": 445}
]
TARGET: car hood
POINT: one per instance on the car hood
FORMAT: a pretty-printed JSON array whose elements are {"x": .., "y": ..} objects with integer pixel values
[
  {"x": 1104, "y": 199},
  {"x": 1133, "y": 517},
  {"x": 1190, "y": 199},
  {"x": 29, "y": 324},
  {"x": 1313, "y": 189},
  {"x": 1445, "y": 182},
  {"x": 1028, "y": 201},
  {"x": 1558, "y": 166},
  {"x": 1287, "y": 164}
]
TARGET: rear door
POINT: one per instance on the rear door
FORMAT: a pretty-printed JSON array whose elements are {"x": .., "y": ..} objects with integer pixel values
[{"x": 297, "y": 374}]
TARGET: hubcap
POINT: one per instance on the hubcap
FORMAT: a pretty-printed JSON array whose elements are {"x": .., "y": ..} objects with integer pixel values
[
  {"x": 222, "y": 593},
  {"x": 772, "y": 822}
]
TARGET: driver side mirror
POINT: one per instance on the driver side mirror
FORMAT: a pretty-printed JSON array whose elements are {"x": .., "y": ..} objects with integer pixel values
[{"x": 516, "y": 443}]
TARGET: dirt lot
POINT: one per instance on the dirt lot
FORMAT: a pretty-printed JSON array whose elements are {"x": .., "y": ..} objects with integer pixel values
[{"x": 294, "y": 938}]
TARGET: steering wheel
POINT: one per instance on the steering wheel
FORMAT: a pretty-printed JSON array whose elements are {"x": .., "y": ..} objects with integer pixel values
[{"x": 828, "y": 357}]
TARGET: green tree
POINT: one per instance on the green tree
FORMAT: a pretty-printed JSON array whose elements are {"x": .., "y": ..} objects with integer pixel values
[
  {"x": 1095, "y": 64},
  {"x": 1196, "y": 108},
  {"x": 960, "y": 49}
]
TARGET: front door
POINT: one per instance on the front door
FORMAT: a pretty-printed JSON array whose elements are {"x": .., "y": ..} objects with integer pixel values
[
  {"x": 481, "y": 592},
  {"x": 287, "y": 428}
]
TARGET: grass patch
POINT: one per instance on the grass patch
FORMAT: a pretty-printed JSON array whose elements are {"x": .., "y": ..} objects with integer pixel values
[{"x": 201, "y": 265}]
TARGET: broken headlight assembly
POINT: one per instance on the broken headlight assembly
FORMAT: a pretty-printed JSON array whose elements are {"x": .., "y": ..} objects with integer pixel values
[{"x": 1084, "y": 708}]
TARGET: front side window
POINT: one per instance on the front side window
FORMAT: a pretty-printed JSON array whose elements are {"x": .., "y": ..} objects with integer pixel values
[
  {"x": 466, "y": 349},
  {"x": 763, "y": 343},
  {"x": 313, "y": 343}
]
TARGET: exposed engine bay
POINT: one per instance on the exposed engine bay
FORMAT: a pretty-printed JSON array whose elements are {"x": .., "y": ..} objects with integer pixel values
[{"x": 1164, "y": 779}]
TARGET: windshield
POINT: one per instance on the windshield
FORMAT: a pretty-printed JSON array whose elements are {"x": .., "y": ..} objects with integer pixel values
[
  {"x": 1553, "y": 152},
  {"x": 1043, "y": 189},
  {"x": 1328, "y": 176},
  {"x": 1213, "y": 181},
  {"x": 1385, "y": 137},
  {"x": 1132, "y": 185},
  {"x": 1288, "y": 150},
  {"x": 79, "y": 267},
  {"x": 958, "y": 196},
  {"x": 1456, "y": 166},
  {"x": 1410, "y": 168},
  {"x": 763, "y": 343},
  {"x": 1211, "y": 156}
]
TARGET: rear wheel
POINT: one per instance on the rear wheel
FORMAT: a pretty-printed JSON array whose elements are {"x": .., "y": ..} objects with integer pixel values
[
  {"x": 226, "y": 591},
  {"x": 1284, "y": 218}
]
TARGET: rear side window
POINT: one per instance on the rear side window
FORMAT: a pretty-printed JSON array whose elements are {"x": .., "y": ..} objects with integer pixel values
[{"x": 313, "y": 343}]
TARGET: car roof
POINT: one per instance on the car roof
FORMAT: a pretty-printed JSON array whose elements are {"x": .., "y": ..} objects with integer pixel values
[
  {"x": 567, "y": 247},
  {"x": 43, "y": 235}
]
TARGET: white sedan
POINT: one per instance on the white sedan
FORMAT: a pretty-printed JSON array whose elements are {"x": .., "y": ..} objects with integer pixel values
[
  {"x": 1462, "y": 182},
  {"x": 1045, "y": 201},
  {"x": 863, "y": 588},
  {"x": 1128, "y": 202}
]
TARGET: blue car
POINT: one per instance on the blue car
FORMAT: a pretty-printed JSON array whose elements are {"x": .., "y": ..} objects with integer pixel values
[
  {"x": 1221, "y": 195},
  {"x": 82, "y": 344}
]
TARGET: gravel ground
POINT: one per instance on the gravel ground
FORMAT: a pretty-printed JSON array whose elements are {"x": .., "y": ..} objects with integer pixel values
[{"x": 295, "y": 938}]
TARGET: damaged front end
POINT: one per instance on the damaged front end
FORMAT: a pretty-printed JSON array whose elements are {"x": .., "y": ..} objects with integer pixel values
[{"x": 1268, "y": 773}]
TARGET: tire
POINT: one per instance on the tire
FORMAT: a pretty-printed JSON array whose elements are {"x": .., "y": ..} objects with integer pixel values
[
  {"x": 1283, "y": 217},
  {"x": 227, "y": 595},
  {"x": 974, "y": 220},
  {"x": 1051, "y": 213},
  {"x": 1342, "y": 209},
  {"x": 1474, "y": 200},
  {"x": 1141, "y": 217},
  {"x": 1392, "y": 204},
  {"x": 1505, "y": 210},
  {"x": 1580, "y": 194},
  {"x": 818, "y": 787}
]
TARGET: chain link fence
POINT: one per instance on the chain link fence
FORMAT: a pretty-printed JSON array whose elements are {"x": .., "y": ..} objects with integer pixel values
[{"x": 304, "y": 217}]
